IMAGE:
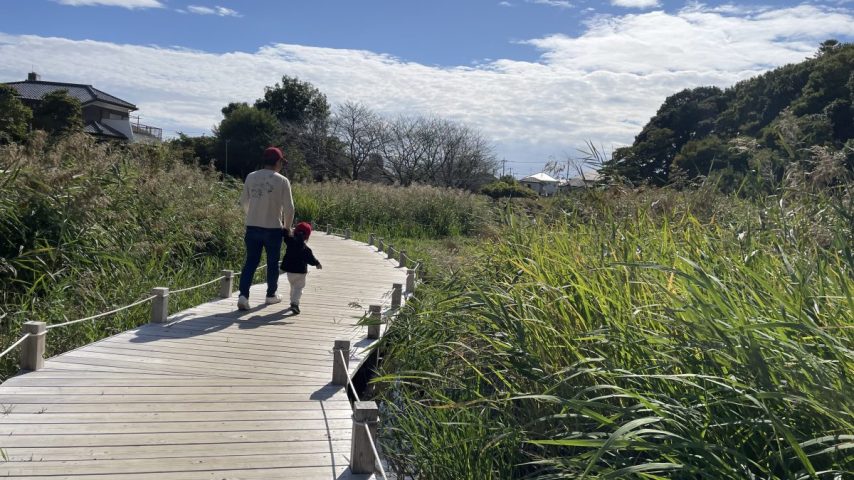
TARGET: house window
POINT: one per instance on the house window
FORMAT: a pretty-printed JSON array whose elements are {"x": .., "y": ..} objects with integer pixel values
[{"x": 108, "y": 115}]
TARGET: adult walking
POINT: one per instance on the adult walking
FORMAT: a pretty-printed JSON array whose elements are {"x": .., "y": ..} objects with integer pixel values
[{"x": 269, "y": 206}]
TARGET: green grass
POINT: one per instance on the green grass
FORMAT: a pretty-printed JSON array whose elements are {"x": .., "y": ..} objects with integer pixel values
[{"x": 620, "y": 337}]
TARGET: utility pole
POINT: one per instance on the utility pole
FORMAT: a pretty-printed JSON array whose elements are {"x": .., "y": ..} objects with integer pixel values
[
  {"x": 503, "y": 163},
  {"x": 226, "y": 157}
]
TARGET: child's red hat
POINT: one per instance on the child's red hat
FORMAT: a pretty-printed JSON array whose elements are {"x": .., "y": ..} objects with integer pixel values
[{"x": 304, "y": 229}]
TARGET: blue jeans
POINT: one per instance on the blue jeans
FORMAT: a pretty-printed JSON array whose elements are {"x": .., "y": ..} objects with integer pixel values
[{"x": 256, "y": 238}]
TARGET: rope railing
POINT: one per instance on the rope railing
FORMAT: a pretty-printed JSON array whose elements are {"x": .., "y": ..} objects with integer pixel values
[
  {"x": 200, "y": 285},
  {"x": 364, "y": 457},
  {"x": 372, "y": 443},
  {"x": 349, "y": 380},
  {"x": 93, "y": 317},
  {"x": 32, "y": 356},
  {"x": 12, "y": 347}
]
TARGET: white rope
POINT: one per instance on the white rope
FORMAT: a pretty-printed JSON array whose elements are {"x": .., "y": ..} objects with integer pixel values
[
  {"x": 350, "y": 382},
  {"x": 260, "y": 267},
  {"x": 20, "y": 341},
  {"x": 374, "y": 448},
  {"x": 197, "y": 286},
  {"x": 102, "y": 314}
]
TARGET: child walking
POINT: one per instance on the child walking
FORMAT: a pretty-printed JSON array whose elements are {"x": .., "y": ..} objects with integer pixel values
[{"x": 296, "y": 261}]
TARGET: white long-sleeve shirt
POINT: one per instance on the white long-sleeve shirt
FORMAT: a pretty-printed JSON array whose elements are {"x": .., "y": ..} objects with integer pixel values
[{"x": 266, "y": 199}]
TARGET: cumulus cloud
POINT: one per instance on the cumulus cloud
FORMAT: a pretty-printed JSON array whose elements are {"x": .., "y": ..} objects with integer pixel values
[
  {"x": 130, "y": 4},
  {"x": 602, "y": 85},
  {"x": 218, "y": 11},
  {"x": 635, "y": 3}
]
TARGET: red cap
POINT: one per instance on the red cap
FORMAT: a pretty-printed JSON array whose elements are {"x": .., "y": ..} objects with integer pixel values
[
  {"x": 304, "y": 229},
  {"x": 272, "y": 155}
]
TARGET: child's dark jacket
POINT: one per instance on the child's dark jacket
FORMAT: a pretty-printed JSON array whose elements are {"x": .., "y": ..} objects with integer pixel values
[{"x": 297, "y": 255}]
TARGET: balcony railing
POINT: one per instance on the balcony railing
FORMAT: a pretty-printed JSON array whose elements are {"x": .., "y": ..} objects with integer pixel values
[{"x": 140, "y": 129}]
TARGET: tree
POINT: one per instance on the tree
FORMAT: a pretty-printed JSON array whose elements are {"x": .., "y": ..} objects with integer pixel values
[
  {"x": 195, "y": 150},
  {"x": 303, "y": 113},
  {"x": 295, "y": 103},
  {"x": 702, "y": 156},
  {"x": 360, "y": 133},
  {"x": 15, "y": 117},
  {"x": 58, "y": 114},
  {"x": 245, "y": 132}
]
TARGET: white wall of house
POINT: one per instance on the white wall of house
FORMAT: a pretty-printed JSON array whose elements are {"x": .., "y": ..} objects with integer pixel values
[{"x": 545, "y": 189}]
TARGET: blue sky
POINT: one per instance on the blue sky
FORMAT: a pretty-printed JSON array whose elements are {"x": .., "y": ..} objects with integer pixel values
[{"x": 538, "y": 78}]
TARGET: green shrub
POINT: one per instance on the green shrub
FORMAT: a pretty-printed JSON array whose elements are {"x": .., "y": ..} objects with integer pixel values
[{"x": 503, "y": 189}]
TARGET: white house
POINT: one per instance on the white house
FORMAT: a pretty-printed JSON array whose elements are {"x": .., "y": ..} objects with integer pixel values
[{"x": 541, "y": 183}]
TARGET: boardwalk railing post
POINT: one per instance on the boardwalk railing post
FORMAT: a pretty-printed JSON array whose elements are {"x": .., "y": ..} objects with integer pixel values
[
  {"x": 328, "y": 229},
  {"x": 371, "y": 238},
  {"x": 396, "y": 293},
  {"x": 402, "y": 261},
  {"x": 227, "y": 284},
  {"x": 365, "y": 414},
  {"x": 347, "y": 234},
  {"x": 390, "y": 251},
  {"x": 339, "y": 369},
  {"x": 380, "y": 244},
  {"x": 376, "y": 317},
  {"x": 160, "y": 305},
  {"x": 32, "y": 350},
  {"x": 410, "y": 280}
]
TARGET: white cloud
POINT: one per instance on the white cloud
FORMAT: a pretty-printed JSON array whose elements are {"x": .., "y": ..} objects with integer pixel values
[
  {"x": 218, "y": 11},
  {"x": 552, "y": 3},
  {"x": 635, "y": 3},
  {"x": 505, "y": 4},
  {"x": 130, "y": 4},
  {"x": 602, "y": 85}
]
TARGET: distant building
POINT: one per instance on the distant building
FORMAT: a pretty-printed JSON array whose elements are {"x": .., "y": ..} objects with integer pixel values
[
  {"x": 104, "y": 115},
  {"x": 542, "y": 183},
  {"x": 588, "y": 179}
]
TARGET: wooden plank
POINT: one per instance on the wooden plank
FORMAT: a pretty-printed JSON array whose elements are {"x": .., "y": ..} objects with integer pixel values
[
  {"x": 112, "y": 428},
  {"x": 213, "y": 406},
  {"x": 213, "y": 390},
  {"x": 170, "y": 438},
  {"x": 143, "y": 417},
  {"x": 335, "y": 472},
  {"x": 174, "y": 464},
  {"x": 168, "y": 451},
  {"x": 20, "y": 398}
]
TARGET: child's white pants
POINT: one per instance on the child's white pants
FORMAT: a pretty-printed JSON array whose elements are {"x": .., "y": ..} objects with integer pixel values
[{"x": 297, "y": 281}]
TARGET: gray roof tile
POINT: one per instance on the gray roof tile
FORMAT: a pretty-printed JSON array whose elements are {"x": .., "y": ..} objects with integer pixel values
[{"x": 35, "y": 90}]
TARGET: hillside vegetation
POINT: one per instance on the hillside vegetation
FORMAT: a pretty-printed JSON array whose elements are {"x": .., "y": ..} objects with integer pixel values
[{"x": 749, "y": 135}]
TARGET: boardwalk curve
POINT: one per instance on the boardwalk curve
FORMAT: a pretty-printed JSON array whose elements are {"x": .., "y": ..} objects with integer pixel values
[{"x": 213, "y": 394}]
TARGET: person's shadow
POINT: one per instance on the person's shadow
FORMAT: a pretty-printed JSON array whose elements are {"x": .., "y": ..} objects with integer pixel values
[{"x": 194, "y": 325}]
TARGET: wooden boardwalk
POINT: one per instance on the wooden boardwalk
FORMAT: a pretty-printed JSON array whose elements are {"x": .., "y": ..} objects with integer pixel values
[{"x": 214, "y": 394}]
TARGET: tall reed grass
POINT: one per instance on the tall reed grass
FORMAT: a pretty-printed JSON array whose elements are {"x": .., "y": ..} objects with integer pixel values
[
  {"x": 635, "y": 341},
  {"x": 86, "y": 227},
  {"x": 404, "y": 212}
]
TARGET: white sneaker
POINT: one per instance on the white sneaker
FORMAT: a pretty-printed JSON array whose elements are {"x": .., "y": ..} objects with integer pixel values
[
  {"x": 242, "y": 303},
  {"x": 272, "y": 300}
]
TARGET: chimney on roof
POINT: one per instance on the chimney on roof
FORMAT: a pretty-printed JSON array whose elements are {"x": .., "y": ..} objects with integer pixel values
[{"x": 33, "y": 77}]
